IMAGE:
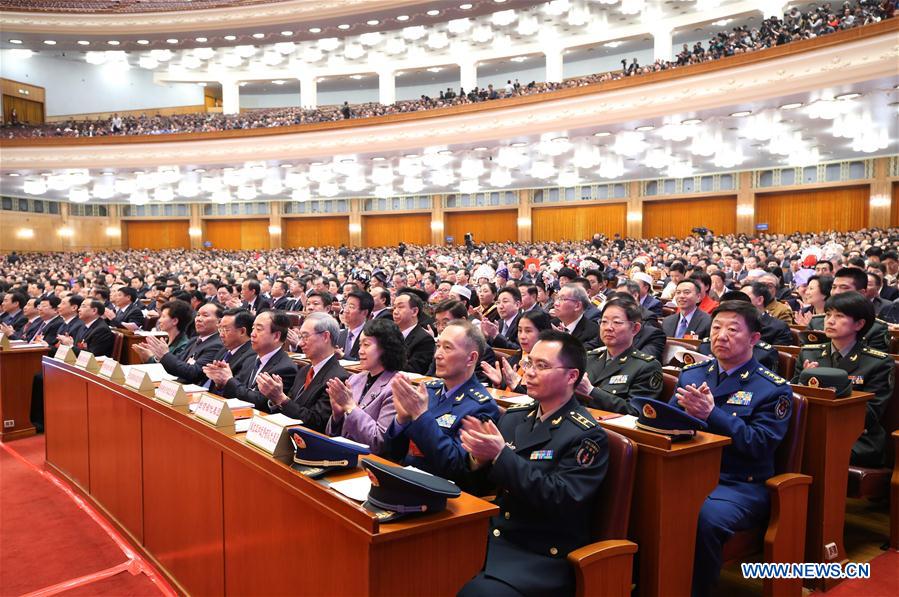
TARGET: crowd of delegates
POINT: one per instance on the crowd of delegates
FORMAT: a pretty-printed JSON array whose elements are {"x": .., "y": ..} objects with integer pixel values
[
  {"x": 795, "y": 25},
  {"x": 571, "y": 324}
]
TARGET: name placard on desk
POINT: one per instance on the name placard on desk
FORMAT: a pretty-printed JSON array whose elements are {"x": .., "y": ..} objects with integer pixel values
[
  {"x": 140, "y": 381},
  {"x": 113, "y": 371},
  {"x": 172, "y": 392},
  {"x": 87, "y": 361},
  {"x": 65, "y": 354},
  {"x": 216, "y": 412},
  {"x": 4, "y": 342},
  {"x": 270, "y": 435}
]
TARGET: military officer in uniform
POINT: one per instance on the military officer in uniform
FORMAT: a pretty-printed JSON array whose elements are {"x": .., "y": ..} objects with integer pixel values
[
  {"x": 425, "y": 431},
  {"x": 849, "y": 316},
  {"x": 742, "y": 400},
  {"x": 618, "y": 371},
  {"x": 849, "y": 279},
  {"x": 547, "y": 461}
]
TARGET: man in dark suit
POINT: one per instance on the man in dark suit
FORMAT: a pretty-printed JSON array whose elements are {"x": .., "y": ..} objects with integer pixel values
[
  {"x": 50, "y": 320},
  {"x": 12, "y": 305},
  {"x": 381, "y": 307},
  {"x": 280, "y": 298},
  {"x": 269, "y": 333},
  {"x": 419, "y": 343},
  {"x": 127, "y": 313},
  {"x": 251, "y": 294},
  {"x": 356, "y": 310},
  {"x": 774, "y": 331},
  {"x": 97, "y": 338},
  {"x": 504, "y": 333},
  {"x": 200, "y": 351},
  {"x": 569, "y": 306},
  {"x": 235, "y": 328},
  {"x": 71, "y": 323},
  {"x": 646, "y": 299},
  {"x": 690, "y": 320},
  {"x": 308, "y": 400}
]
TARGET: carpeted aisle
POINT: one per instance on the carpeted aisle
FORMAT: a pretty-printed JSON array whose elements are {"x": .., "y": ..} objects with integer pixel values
[
  {"x": 46, "y": 539},
  {"x": 884, "y": 581}
]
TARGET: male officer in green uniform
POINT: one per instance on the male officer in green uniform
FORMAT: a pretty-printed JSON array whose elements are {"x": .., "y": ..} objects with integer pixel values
[
  {"x": 849, "y": 316},
  {"x": 617, "y": 371},
  {"x": 849, "y": 279},
  {"x": 547, "y": 461}
]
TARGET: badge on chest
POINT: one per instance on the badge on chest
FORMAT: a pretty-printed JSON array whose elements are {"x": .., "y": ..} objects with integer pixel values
[
  {"x": 446, "y": 421},
  {"x": 857, "y": 380},
  {"x": 740, "y": 398},
  {"x": 618, "y": 379},
  {"x": 542, "y": 455}
]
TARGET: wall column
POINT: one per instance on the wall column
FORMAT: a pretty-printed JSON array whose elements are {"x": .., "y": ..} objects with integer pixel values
[
  {"x": 745, "y": 204},
  {"x": 880, "y": 200},
  {"x": 308, "y": 91},
  {"x": 387, "y": 87},
  {"x": 468, "y": 75},
  {"x": 437, "y": 221},
  {"x": 525, "y": 225},
  {"x": 274, "y": 225},
  {"x": 230, "y": 97},
  {"x": 196, "y": 230},
  {"x": 114, "y": 224},
  {"x": 356, "y": 222},
  {"x": 661, "y": 45},
  {"x": 634, "y": 211},
  {"x": 553, "y": 65}
]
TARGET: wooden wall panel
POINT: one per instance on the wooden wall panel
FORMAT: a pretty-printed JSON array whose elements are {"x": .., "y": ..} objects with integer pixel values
[
  {"x": 678, "y": 217},
  {"x": 331, "y": 231},
  {"x": 157, "y": 234},
  {"x": 894, "y": 210},
  {"x": 578, "y": 222},
  {"x": 387, "y": 231},
  {"x": 87, "y": 233},
  {"x": 237, "y": 235},
  {"x": 494, "y": 226},
  {"x": 813, "y": 211}
]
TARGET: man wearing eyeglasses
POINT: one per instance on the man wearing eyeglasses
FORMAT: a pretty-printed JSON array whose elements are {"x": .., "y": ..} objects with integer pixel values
[
  {"x": 568, "y": 308},
  {"x": 618, "y": 371},
  {"x": 547, "y": 461}
]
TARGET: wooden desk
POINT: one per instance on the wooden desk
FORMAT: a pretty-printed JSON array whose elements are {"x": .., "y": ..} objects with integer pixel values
[
  {"x": 18, "y": 367},
  {"x": 220, "y": 517},
  {"x": 672, "y": 481},
  {"x": 129, "y": 339},
  {"x": 833, "y": 426}
]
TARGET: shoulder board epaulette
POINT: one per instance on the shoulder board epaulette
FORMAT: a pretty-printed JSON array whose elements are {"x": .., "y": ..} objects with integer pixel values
[
  {"x": 581, "y": 420},
  {"x": 764, "y": 345},
  {"x": 517, "y": 407},
  {"x": 434, "y": 384},
  {"x": 596, "y": 351},
  {"x": 480, "y": 396},
  {"x": 693, "y": 365},
  {"x": 874, "y": 352},
  {"x": 643, "y": 356},
  {"x": 818, "y": 346},
  {"x": 772, "y": 376}
]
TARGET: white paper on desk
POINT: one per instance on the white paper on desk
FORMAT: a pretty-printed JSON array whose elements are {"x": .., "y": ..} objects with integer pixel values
[
  {"x": 349, "y": 442},
  {"x": 155, "y": 370},
  {"x": 283, "y": 420},
  {"x": 192, "y": 388},
  {"x": 145, "y": 333},
  {"x": 626, "y": 421},
  {"x": 238, "y": 403},
  {"x": 356, "y": 488},
  {"x": 347, "y": 362},
  {"x": 242, "y": 425},
  {"x": 517, "y": 400},
  {"x": 28, "y": 345}
]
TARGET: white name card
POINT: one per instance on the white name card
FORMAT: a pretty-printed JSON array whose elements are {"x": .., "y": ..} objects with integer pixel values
[
  {"x": 172, "y": 392},
  {"x": 65, "y": 354},
  {"x": 271, "y": 437},
  {"x": 87, "y": 361},
  {"x": 140, "y": 381},
  {"x": 216, "y": 412},
  {"x": 113, "y": 371}
]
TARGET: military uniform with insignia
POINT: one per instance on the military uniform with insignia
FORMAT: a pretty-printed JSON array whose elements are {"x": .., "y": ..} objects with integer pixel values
[
  {"x": 752, "y": 407},
  {"x": 762, "y": 352},
  {"x": 878, "y": 337},
  {"x": 616, "y": 380},
  {"x": 431, "y": 442},
  {"x": 547, "y": 478},
  {"x": 869, "y": 370}
]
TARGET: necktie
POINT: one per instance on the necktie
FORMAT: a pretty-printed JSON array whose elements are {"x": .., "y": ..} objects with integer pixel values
[
  {"x": 349, "y": 344},
  {"x": 310, "y": 373},
  {"x": 681, "y": 328},
  {"x": 40, "y": 328},
  {"x": 255, "y": 372}
]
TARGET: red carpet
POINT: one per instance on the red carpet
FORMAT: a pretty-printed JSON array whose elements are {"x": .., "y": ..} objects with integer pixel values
[
  {"x": 46, "y": 540},
  {"x": 884, "y": 581}
]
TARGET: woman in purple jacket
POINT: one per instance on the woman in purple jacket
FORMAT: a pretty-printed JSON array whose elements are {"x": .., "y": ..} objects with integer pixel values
[{"x": 362, "y": 407}]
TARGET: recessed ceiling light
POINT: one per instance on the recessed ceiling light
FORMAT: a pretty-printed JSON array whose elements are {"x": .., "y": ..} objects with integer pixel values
[
  {"x": 500, "y": 1},
  {"x": 402, "y": 18},
  {"x": 230, "y": 37},
  {"x": 171, "y": 40},
  {"x": 287, "y": 33},
  {"x": 50, "y": 42},
  {"x": 644, "y": 128},
  {"x": 258, "y": 35},
  {"x": 601, "y": 134},
  {"x": 465, "y": 6},
  {"x": 613, "y": 44},
  {"x": 279, "y": 82},
  {"x": 315, "y": 30},
  {"x": 741, "y": 113},
  {"x": 691, "y": 121},
  {"x": 199, "y": 170},
  {"x": 286, "y": 165},
  {"x": 848, "y": 96},
  {"x": 373, "y": 22},
  {"x": 357, "y": 77},
  {"x": 14, "y": 174},
  {"x": 518, "y": 144},
  {"x": 202, "y": 84},
  {"x": 434, "y": 69},
  {"x": 15, "y": 41},
  {"x": 378, "y": 158},
  {"x": 481, "y": 148},
  {"x": 201, "y": 40},
  {"x": 411, "y": 155},
  {"x": 83, "y": 42},
  {"x": 242, "y": 84},
  {"x": 143, "y": 42},
  {"x": 519, "y": 59},
  {"x": 791, "y": 106},
  {"x": 343, "y": 26},
  {"x": 433, "y": 12},
  {"x": 112, "y": 42}
]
